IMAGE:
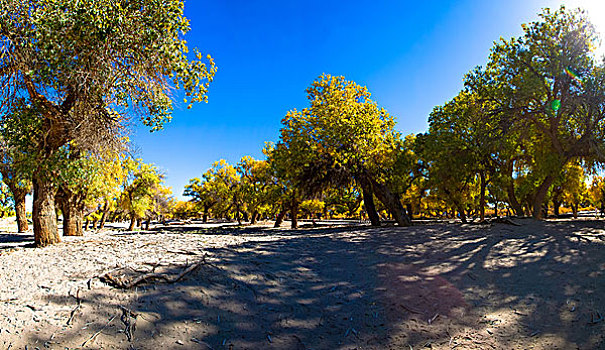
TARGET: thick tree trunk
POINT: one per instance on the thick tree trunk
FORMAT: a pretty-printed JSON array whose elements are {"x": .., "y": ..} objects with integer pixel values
[
  {"x": 482, "y": 197},
  {"x": 69, "y": 220},
  {"x": 368, "y": 202},
  {"x": 253, "y": 218},
  {"x": 72, "y": 213},
  {"x": 574, "y": 208},
  {"x": 20, "y": 212},
  {"x": 205, "y": 216},
  {"x": 43, "y": 215},
  {"x": 392, "y": 202},
  {"x": 147, "y": 224},
  {"x": 540, "y": 196},
  {"x": 294, "y": 212}
]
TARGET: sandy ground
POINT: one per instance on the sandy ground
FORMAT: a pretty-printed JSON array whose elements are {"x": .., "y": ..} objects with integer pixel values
[{"x": 539, "y": 285}]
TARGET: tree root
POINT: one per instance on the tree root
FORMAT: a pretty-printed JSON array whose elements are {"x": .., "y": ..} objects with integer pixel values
[{"x": 126, "y": 283}]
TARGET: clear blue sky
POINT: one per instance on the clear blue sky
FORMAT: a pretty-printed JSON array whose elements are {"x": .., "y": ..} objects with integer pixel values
[{"x": 412, "y": 55}]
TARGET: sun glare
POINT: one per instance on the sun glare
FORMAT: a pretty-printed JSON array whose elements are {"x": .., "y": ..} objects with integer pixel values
[{"x": 596, "y": 12}]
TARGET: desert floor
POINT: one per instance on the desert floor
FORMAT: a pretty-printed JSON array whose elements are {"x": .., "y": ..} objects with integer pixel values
[{"x": 539, "y": 285}]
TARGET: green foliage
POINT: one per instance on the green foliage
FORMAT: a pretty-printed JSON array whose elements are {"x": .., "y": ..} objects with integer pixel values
[
  {"x": 7, "y": 204},
  {"x": 95, "y": 54},
  {"x": 139, "y": 188}
]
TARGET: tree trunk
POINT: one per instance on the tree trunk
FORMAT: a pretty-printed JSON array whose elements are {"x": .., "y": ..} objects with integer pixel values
[
  {"x": 253, "y": 218},
  {"x": 79, "y": 220},
  {"x": 43, "y": 215},
  {"x": 104, "y": 215},
  {"x": 574, "y": 208},
  {"x": 392, "y": 202},
  {"x": 69, "y": 218},
  {"x": 294, "y": 212},
  {"x": 205, "y": 216},
  {"x": 20, "y": 212},
  {"x": 147, "y": 224},
  {"x": 540, "y": 196},
  {"x": 462, "y": 215},
  {"x": 280, "y": 218},
  {"x": 368, "y": 202},
  {"x": 133, "y": 221},
  {"x": 482, "y": 197},
  {"x": 512, "y": 199},
  {"x": 555, "y": 206},
  {"x": 94, "y": 223}
]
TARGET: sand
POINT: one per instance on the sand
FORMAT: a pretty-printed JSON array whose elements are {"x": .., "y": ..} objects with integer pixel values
[{"x": 441, "y": 286}]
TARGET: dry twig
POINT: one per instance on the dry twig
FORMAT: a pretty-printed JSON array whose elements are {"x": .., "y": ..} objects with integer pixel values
[{"x": 92, "y": 339}]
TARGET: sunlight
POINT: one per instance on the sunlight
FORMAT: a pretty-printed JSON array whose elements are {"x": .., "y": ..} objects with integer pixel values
[{"x": 596, "y": 12}]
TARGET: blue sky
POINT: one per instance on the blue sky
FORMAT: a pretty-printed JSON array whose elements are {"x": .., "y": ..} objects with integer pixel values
[{"x": 412, "y": 56}]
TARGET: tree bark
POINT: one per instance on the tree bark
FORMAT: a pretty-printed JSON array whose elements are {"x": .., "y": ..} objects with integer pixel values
[
  {"x": 482, "y": 197},
  {"x": 392, "y": 202},
  {"x": 20, "y": 212},
  {"x": 510, "y": 192},
  {"x": 280, "y": 218},
  {"x": 205, "y": 215},
  {"x": 69, "y": 222},
  {"x": 253, "y": 218},
  {"x": 555, "y": 206},
  {"x": 72, "y": 213},
  {"x": 79, "y": 220},
  {"x": 104, "y": 215},
  {"x": 368, "y": 202},
  {"x": 43, "y": 215},
  {"x": 294, "y": 212},
  {"x": 540, "y": 196},
  {"x": 133, "y": 221}
]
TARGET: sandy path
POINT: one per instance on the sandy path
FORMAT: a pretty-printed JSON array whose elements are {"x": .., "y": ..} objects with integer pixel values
[{"x": 539, "y": 286}]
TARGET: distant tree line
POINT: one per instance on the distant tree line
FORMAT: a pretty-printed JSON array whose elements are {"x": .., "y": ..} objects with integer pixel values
[{"x": 525, "y": 135}]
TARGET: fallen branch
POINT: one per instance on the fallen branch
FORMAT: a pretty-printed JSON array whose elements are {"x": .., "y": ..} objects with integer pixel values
[
  {"x": 73, "y": 312},
  {"x": 92, "y": 339},
  {"x": 411, "y": 310},
  {"x": 503, "y": 221},
  {"x": 124, "y": 283}
]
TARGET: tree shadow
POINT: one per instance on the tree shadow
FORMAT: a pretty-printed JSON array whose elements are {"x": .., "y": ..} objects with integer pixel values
[
  {"x": 11, "y": 240},
  {"x": 442, "y": 286}
]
